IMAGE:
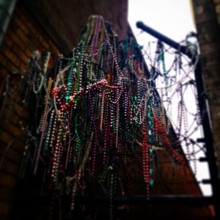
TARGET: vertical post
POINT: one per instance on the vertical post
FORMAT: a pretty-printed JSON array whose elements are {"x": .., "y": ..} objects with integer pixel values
[{"x": 208, "y": 140}]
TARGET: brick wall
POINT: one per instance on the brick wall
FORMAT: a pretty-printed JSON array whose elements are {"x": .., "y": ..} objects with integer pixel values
[
  {"x": 27, "y": 32},
  {"x": 207, "y": 17},
  {"x": 24, "y": 35},
  {"x": 64, "y": 19}
]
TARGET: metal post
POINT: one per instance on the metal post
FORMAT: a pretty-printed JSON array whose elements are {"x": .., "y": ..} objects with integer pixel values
[{"x": 208, "y": 140}]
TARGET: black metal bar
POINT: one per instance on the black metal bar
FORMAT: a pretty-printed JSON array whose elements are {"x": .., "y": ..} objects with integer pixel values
[
  {"x": 142, "y": 199},
  {"x": 208, "y": 139},
  {"x": 183, "y": 49}
]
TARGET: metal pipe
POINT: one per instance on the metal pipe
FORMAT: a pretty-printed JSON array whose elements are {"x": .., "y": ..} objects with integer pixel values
[
  {"x": 183, "y": 49},
  {"x": 6, "y": 11}
]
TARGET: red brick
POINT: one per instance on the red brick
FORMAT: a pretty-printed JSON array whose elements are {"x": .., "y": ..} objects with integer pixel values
[
  {"x": 45, "y": 45},
  {"x": 23, "y": 14},
  {"x": 5, "y": 137},
  {"x": 6, "y": 194},
  {"x": 33, "y": 28},
  {"x": 22, "y": 36},
  {"x": 10, "y": 154},
  {"x": 22, "y": 67},
  {"x": 3, "y": 75},
  {"x": 13, "y": 129},
  {"x": 8, "y": 42},
  {"x": 22, "y": 25},
  {"x": 21, "y": 111},
  {"x": 15, "y": 106},
  {"x": 11, "y": 56},
  {"x": 3, "y": 60},
  {"x": 19, "y": 144},
  {"x": 10, "y": 167},
  {"x": 18, "y": 109},
  {"x": 20, "y": 54},
  {"x": 28, "y": 52},
  {"x": 17, "y": 41},
  {"x": 5, "y": 208},
  {"x": 7, "y": 180}
]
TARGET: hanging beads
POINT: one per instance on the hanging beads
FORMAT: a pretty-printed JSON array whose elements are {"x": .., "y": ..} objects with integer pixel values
[
  {"x": 56, "y": 157},
  {"x": 49, "y": 132},
  {"x": 106, "y": 134},
  {"x": 97, "y": 104},
  {"x": 94, "y": 127},
  {"x": 117, "y": 120},
  {"x": 179, "y": 116},
  {"x": 150, "y": 139},
  {"x": 102, "y": 107},
  {"x": 70, "y": 80},
  {"x": 174, "y": 153},
  {"x": 112, "y": 191}
]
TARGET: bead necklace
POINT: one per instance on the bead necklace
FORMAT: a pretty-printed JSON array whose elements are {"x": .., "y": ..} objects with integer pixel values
[
  {"x": 174, "y": 153},
  {"x": 106, "y": 134},
  {"x": 117, "y": 121},
  {"x": 49, "y": 132},
  {"x": 102, "y": 107},
  {"x": 70, "y": 80}
]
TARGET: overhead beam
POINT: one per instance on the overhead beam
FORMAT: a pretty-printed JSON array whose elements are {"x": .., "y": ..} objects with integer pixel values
[
  {"x": 142, "y": 199},
  {"x": 183, "y": 49}
]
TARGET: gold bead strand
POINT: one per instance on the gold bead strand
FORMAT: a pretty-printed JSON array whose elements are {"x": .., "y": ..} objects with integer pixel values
[{"x": 117, "y": 119}]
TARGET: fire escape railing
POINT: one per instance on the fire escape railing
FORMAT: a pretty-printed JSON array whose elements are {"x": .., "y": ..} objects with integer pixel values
[{"x": 205, "y": 121}]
